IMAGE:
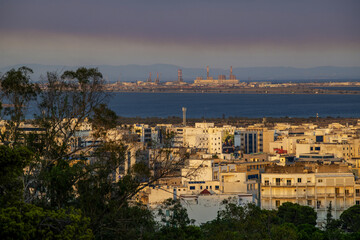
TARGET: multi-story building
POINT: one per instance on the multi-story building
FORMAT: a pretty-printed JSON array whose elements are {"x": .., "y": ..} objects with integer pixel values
[
  {"x": 312, "y": 185},
  {"x": 144, "y": 132},
  {"x": 253, "y": 140},
  {"x": 346, "y": 150}
]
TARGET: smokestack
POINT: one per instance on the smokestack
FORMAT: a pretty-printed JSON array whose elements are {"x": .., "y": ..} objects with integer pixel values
[
  {"x": 184, "y": 115},
  {"x": 157, "y": 81},
  {"x": 207, "y": 72},
  {"x": 180, "y": 79}
]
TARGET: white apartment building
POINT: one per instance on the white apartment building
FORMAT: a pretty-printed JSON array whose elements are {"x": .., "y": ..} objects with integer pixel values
[
  {"x": 204, "y": 207},
  {"x": 197, "y": 170}
]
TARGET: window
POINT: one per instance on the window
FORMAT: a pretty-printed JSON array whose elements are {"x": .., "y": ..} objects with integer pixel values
[
  {"x": 288, "y": 182},
  {"x": 192, "y": 187},
  {"x": 317, "y": 148},
  {"x": 299, "y": 180},
  {"x": 311, "y": 148},
  {"x": 357, "y": 203},
  {"x": 210, "y": 187},
  {"x": 309, "y": 202},
  {"x": 267, "y": 183},
  {"x": 320, "y": 180},
  {"x": 318, "y": 204},
  {"x": 277, "y": 203},
  {"x": 337, "y": 191},
  {"x": 278, "y": 182},
  {"x": 200, "y": 187},
  {"x": 357, "y": 191},
  {"x": 347, "y": 191},
  {"x": 216, "y": 187}
]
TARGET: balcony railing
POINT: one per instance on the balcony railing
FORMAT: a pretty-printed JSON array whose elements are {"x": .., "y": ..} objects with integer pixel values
[{"x": 285, "y": 184}]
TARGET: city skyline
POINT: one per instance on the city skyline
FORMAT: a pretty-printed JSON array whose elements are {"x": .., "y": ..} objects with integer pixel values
[{"x": 190, "y": 34}]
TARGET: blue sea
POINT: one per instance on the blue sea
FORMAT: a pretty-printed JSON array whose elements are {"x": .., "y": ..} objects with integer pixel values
[{"x": 215, "y": 105}]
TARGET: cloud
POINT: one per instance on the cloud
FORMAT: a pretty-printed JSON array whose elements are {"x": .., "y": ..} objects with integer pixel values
[
  {"x": 257, "y": 32},
  {"x": 208, "y": 22}
]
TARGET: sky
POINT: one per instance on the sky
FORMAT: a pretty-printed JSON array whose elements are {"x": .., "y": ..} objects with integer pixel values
[{"x": 188, "y": 33}]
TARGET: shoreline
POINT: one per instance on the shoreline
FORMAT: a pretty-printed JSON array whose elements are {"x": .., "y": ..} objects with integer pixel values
[{"x": 207, "y": 91}]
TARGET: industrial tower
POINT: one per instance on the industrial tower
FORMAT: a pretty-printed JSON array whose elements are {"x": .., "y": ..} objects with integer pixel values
[
  {"x": 157, "y": 80},
  {"x": 180, "y": 78}
]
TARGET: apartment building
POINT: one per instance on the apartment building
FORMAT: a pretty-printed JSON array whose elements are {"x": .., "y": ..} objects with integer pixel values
[
  {"x": 312, "y": 185},
  {"x": 346, "y": 150}
]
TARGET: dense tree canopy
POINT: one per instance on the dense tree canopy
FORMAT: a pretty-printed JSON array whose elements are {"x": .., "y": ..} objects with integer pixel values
[{"x": 297, "y": 214}]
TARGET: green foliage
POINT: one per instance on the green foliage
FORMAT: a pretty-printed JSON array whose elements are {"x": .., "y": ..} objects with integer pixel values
[
  {"x": 350, "y": 219},
  {"x": 18, "y": 92},
  {"x": 176, "y": 233},
  {"x": 133, "y": 222},
  {"x": 297, "y": 214},
  {"x": 285, "y": 231},
  {"x": 26, "y": 221},
  {"x": 309, "y": 232},
  {"x": 60, "y": 179},
  {"x": 241, "y": 222},
  {"x": 103, "y": 119},
  {"x": 12, "y": 163}
]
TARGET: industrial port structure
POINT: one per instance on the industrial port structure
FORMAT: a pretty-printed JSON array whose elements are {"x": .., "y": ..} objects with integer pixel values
[{"x": 220, "y": 81}]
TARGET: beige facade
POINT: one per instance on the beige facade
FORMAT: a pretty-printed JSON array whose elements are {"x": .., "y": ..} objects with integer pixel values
[
  {"x": 347, "y": 150},
  {"x": 314, "y": 186}
]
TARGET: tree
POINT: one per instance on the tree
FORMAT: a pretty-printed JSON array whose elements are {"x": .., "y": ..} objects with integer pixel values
[
  {"x": 285, "y": 231},
  {"x": 12, "y": 163},
  {"x": 309, "y": 232},
  {"x": 176, "y": 223},
  {"x": 65, "y": 106},
  {"x": 297, "y": 214},
  {"x": 26, "y": 221},
  {"x": 175, "y": 215},
  {"x": 350, "y": 219},
  {"x": 63, "y": 173},
  {"x": 331, "y": 224},
  {"x": 18, "y": 92},
  {"x": 241, "y": 222}
]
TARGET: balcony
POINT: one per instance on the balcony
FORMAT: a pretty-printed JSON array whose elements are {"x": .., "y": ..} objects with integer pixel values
[
  {"x": 275, "y": 196},
  {"x": 282, "y": 184},
  {"x": 327, "y": 195}
]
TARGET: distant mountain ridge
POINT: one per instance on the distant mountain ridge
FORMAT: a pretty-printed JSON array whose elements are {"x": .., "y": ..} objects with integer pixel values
[{"x": 168, "y": 72}]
